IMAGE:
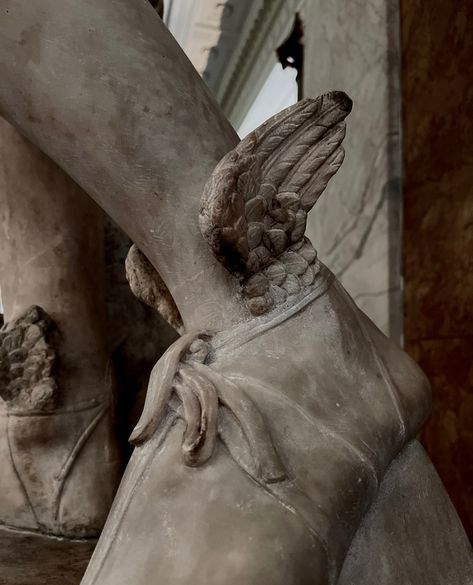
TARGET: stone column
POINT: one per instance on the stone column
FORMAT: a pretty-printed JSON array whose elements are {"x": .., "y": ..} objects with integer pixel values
[
  {"x": 438, "y": 229},
  {"x": 58, "y": 452}
]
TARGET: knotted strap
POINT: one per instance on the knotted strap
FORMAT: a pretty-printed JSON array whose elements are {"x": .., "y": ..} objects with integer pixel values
[{"x": 183, "y": 385}]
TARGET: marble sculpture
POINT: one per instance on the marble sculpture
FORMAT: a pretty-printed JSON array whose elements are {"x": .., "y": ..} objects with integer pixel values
[{"x": 277, "y": 442}]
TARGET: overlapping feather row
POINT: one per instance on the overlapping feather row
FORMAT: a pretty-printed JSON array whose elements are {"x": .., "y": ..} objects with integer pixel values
[{"x": 254, "y": 208}]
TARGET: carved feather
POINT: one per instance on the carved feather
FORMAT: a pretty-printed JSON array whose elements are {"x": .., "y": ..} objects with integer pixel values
[
  {"x": 255, "y": 204},
  {"x": 28, "y": 356}
]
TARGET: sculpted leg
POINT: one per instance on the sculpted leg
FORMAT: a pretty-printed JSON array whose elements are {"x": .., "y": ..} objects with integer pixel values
[
  {"x": 59, "y": 458},
  {"x": 125, "y": 114},
  {"x": 412, "y": 534}
]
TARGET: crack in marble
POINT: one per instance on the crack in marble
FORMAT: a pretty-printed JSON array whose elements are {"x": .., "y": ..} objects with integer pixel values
[
  {"x": 373, "y": 294},
  {"x": 364, "y": 237}
]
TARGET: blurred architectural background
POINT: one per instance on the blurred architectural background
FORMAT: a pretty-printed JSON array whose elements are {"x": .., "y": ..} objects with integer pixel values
[{"x": 396, "y": 222}]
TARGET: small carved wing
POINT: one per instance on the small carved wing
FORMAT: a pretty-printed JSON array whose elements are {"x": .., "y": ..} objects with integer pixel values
[
  {"x": 255, "y": 204},
  {"x": 28, "y": 355}
]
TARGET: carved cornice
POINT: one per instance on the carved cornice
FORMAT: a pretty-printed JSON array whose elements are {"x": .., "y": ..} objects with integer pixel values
[
  {"x": 232, "y": 44},
  {"x": 208, "y": 31},
  {"x": 268, "y": 22}
]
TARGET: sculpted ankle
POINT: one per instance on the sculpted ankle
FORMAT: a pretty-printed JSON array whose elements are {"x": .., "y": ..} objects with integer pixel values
[{"x": 61, "y": 455}]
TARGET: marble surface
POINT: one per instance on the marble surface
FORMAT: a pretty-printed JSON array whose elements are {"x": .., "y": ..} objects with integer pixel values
[
  {"x": 438, "y": 229},
  {"x": 355, "y": 226},
  {"x": 428, "y": 524}
]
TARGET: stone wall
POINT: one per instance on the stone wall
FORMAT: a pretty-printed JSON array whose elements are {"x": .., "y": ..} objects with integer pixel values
[
  {"x": 355, "y": 226},
  {"x": 437, "y": 79}
]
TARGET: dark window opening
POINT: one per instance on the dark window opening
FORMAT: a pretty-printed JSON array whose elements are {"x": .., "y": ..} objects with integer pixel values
[{"x": 291, "y": 52}]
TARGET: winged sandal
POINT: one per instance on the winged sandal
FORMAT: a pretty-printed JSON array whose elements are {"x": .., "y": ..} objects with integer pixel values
[{"x": 260, "y": 449}]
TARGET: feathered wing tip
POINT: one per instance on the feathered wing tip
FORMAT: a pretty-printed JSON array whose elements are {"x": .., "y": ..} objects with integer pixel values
[
  {"x": 148, "y": 286},
  {"x": 254, "y": 207}
]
